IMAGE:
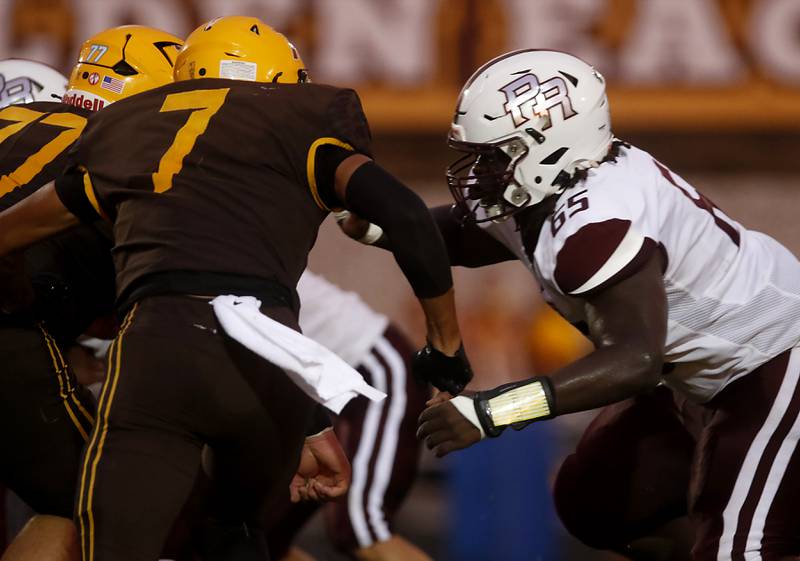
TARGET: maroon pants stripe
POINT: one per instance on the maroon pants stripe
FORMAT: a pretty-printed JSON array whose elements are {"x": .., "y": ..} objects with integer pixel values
[
  {"x": 741, "y": 463},
  {"x": 744, "y": 481},
  {"x": 381, "y": 443}
]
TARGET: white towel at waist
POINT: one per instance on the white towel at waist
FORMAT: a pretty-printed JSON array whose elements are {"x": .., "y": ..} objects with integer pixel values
[{"x": 325, "y": 377}]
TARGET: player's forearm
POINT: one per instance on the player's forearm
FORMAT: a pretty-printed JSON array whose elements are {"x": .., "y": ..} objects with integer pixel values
[
  {"x": 467, "y": 245},
  {"x": 628, "y": 323},
  {"x": 440, "y": 319},
  {"x": 442, "y": 362},
  {"x": 417, "y": 245},
  {"x": 37, "y": 217},
  {"x": 607, "y": 375}
]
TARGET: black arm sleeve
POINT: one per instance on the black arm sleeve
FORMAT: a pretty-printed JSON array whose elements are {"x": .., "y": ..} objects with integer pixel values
[
  {"x": 71, "y": 192},
  {"x": 328, "y": 158},
  {"x": 417, "y": 245},
  {"x": 468, "y": 245}
]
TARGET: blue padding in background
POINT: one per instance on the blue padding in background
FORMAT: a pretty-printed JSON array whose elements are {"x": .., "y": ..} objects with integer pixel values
[{"x": 500, "y": 505}]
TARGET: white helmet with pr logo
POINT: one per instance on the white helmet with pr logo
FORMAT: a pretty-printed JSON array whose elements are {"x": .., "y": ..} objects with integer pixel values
[
  {"x": 527, "y": 120},
  {"x": 26, "y": 81}
]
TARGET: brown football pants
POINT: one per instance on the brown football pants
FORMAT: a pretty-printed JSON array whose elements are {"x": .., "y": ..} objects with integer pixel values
[
  {"x": 175, "y": 383},
  {"x": 46, "y": 418}
]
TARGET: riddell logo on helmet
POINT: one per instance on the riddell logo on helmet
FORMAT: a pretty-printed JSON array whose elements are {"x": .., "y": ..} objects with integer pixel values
[{"x": 83, "y": 100}]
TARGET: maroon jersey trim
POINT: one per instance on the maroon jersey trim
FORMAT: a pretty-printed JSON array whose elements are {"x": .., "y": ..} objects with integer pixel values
[{"x": 589, "y": 249}]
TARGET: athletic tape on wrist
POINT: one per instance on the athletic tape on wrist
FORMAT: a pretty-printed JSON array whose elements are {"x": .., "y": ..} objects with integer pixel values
[
  {"x": 525, "y": 403},
  {"x": 517, "y": 405},
  {"x": 466, "y": 406}
]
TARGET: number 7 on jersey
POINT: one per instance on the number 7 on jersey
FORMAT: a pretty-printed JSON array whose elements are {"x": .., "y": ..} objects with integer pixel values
[{"x": 204, "y": 105}]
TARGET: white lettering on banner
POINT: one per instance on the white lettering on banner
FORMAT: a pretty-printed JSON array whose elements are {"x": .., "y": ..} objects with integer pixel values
[
  {"x": 96, "y": 15},
  {"x": 679, "y": 41},
  {"x": 556, "y": 24},
  {"x": 775, "y": 40},
  {"x": 391, "y": 40},
  {"x": 276, "y": 13}
]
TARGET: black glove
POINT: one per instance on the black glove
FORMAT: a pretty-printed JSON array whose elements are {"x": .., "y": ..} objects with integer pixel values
[{"x": 450, "y": 374}]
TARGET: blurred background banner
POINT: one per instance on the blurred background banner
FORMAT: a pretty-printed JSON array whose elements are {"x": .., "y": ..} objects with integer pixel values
[{"x": 672, "y": 64}]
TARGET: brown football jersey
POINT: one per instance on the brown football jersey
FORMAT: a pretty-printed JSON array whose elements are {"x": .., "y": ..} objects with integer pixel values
[
  {"x": 214, "y": 176},
  {"x": 72, "y": 272},
  {"x": 34, "y": 143}
]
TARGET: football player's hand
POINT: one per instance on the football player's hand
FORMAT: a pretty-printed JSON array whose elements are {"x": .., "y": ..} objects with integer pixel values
[
  {"x": 449, "y": 374},
  {"x": 324, "y": 470},
  {"x": 361, "y": 230},
  {"x": 438, "y": 397},
  {"x": 444, "y": 429}
]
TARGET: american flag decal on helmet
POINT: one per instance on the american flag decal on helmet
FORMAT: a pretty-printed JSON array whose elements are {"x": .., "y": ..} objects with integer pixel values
[{"x": 112, "y": 84}]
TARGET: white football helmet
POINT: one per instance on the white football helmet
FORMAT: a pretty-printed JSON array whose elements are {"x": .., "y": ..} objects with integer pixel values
[
  {"x": 26, "y": 81},
  {"x": 527, "y": 120}
]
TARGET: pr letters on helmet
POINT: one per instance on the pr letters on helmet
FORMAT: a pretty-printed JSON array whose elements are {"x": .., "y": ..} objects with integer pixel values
[
  {"x": 18, "y": 90},
  {"x": 527, "y": 98}
]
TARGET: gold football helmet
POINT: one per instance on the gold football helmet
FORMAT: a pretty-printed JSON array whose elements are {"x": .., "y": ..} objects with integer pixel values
[
  {"x": 240, "y": 48},
  {"x": 120, "y": 62}
]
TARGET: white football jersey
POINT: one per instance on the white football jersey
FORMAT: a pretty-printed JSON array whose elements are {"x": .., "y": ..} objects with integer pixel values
[
  {"x": 733, "y": 294},
  {"x": 337, "y": 319}
]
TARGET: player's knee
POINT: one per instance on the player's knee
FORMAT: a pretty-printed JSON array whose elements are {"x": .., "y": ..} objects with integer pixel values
[{"x": 583, "y": 507}]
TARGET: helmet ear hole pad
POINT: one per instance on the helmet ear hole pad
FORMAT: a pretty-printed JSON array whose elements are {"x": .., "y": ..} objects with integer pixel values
[{"x": 124, "y": 69}]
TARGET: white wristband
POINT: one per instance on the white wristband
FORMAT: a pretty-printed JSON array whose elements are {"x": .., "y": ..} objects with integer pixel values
[
  {"x": 466, "y": 406},
  {"x": 374, "y": 233},
  {"x": 341, "y": 215}
]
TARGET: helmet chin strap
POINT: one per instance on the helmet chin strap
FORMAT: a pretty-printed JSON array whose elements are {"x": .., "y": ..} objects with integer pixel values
[{"x": 585, "y": 164}]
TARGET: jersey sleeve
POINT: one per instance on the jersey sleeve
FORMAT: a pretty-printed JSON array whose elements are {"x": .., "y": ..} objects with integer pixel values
[
  {"x": 74, "y": 189},
  {"x": 347, "y": 132},
  {"x": 606, "y": 236},
  {"x": 36, "y": 151},
  {"x": 348, "y": 123}
]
